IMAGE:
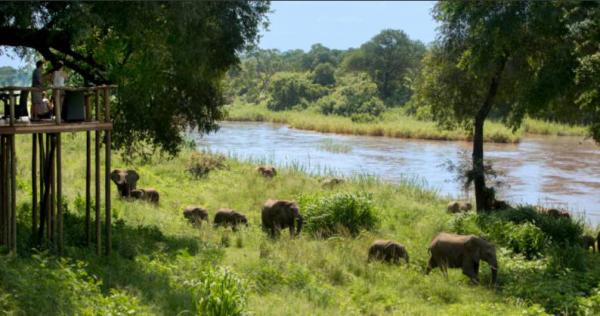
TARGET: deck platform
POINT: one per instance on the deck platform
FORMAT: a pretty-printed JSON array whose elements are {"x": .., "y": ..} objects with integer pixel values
[{"x": 52, "y": 127}]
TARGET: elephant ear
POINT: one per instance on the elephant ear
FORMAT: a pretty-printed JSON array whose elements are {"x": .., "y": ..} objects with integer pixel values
[
  {"x": 115, "y": 176},
  {"x": 473, "y": 248},
  {"x": 132, "y": 177}
]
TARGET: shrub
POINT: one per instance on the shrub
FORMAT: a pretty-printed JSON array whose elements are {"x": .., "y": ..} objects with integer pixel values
[
  {"x": 201, "y": 163},
  {"x": 356, "y": 94},
  {"x": 289, "y": 90},
  {"x": 338, "y": 213},
  {"x": 324, "y": 75},
  {"x": 220, "y": 293},
  {"x": 527, "y": 239}
]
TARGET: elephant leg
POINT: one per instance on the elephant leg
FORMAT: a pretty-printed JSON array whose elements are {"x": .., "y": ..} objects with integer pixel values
[
  {"x": 469, "y": 269},
  {"x": 291, "y": 226}
]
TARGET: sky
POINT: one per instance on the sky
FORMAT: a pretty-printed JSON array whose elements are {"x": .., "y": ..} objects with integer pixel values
[
  {"x": 335, "y": 24},
  {"x": 342, "y": 25}
]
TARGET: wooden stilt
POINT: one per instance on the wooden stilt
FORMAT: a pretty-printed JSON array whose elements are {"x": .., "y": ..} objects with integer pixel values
[
  {"x": 34, "y": 197},
  {"x": 88, "y": 174},
  {"x": 13, "y": 197},
  {"x": 3, "y": 180},
  {"x": 59, "y": 200},
  {"x": 97, "y": 199},
  {"x": 42, "y": 160},
  {"x": 53, "y": 200},
  {"x": 107, "y": 144}
]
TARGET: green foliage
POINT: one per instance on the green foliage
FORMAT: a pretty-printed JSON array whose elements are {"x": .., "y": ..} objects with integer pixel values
[
  {"x": 324, "y": 75},
  {"x": 289, "y": 90},
  {"x": 167, "y": 58},
  {"x": 220, "y": 293},
  {"x": 389, "y": 58},
  {"x": 339, "y": 213},
  {"x": 355, "y": 94},
  {"x": 201, "y": 163}
]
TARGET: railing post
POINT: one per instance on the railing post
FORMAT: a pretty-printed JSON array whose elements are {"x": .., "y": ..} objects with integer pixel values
[
  {"x": 11, "y": 102},
  {"x": 58, "y": 105}
]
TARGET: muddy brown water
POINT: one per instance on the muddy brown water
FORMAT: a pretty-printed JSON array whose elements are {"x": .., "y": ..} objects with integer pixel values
[{"x": 551, "y": 171}]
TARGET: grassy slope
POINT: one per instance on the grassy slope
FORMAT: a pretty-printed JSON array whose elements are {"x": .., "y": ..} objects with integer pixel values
[
  {"x": 156, "y": 251},
  {"x": 395, "y": 124}
]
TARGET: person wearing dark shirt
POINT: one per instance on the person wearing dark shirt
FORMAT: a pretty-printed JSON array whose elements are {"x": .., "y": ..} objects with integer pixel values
[{"x": 40, "y": 109}]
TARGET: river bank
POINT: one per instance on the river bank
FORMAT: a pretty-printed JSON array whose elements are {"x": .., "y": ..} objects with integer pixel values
[{"x": 395, "y": 124}]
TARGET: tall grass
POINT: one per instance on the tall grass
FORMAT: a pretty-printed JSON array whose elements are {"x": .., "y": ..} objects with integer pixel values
[
  {"x": 162, "y": 265},
  {"x": 398, "y": 126}
]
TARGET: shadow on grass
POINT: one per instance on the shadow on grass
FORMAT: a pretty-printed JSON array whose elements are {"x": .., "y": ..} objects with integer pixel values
[{"x": 141, "y": 263}]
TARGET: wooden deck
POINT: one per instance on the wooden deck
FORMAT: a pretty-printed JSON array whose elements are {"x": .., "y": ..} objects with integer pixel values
[{"x": 52, "y": 127}]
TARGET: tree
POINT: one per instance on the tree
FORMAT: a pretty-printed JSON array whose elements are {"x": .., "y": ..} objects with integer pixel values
[
  {"x": 355, "y": 95},
  {"x": 510, "y": 56},
  {"x": 324, "y": 74},
  {"x": 387, "y": 58},
  {"x": 291, "y": 89},
  {"x": 168, "y": 58}
]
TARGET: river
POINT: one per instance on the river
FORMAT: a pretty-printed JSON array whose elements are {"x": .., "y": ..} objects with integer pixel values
[{"x": 551, "y": 171}]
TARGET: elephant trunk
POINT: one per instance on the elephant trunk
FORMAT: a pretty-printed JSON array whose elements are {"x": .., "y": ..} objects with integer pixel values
[
  {"x": 494, "y": 265},
  {"x": 299, "y": 221}
]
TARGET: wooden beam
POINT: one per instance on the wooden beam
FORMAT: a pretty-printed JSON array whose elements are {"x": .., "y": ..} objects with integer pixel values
[
  {"x": 59, "y": 204},
  {"x": 107, "y": 211},
  {"x": 34, "y": 198},
  {"x": 29, "y": 128},
  {"x": 13, "y": 198}
]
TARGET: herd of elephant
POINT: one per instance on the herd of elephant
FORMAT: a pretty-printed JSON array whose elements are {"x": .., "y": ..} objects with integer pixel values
[{"x": 446, "y": 250}]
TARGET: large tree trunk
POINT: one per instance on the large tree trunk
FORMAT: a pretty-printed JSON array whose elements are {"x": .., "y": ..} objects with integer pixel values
[{"x": 482, "y": 201}]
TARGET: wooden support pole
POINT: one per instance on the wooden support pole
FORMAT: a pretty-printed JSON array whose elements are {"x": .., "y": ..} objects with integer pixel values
[
  {"x": 59, "y": 204},
  {"x": 107, "y": 211},
  {"x": 52, "y": 190},
  {"x": 88, "y": 173},
  {"x": 13, "y": 197},
  {"x": 97, "y": 199},
  {"x": 34, "y": 197},
  {"x": 3, "y": 181},
  {"x": 88, "y": 176}
]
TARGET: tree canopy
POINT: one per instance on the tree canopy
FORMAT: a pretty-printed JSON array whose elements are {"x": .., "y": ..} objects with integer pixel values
[{"x": 168, "y": 58}]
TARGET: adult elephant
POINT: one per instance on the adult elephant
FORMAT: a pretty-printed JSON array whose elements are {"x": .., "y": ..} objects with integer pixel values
[
  {"x": 462, "y": 251},
  {"x": 125, "y": 180},
  {"x": 280, "y": 214}
]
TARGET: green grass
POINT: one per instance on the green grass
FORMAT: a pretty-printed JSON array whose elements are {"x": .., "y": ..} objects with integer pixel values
[
  {"x": 162, "y": 265},
  {"x": 396, "y": 124}
]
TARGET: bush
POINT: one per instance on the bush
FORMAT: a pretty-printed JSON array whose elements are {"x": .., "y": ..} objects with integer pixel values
[
  {"x": 338, "y": 213},
  {"x": 289, "y": 90},
  {"x": 220, "y": 293},
  {"x": 201, "y": 163},
  {"x": 324, "y": 75},
  {"x": 356, "y": 94}
]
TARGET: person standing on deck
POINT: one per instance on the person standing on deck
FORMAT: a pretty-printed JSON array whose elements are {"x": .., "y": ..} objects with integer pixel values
[{"x": 38, "y": 108}]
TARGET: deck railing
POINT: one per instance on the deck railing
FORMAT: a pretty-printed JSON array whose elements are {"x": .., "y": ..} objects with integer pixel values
[{"x": 98, "y": 92}]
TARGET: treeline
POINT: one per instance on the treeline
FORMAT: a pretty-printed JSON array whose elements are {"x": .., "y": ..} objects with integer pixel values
[
  {"x": 10, "y": 76},
  {"x": 360, "y": 83}
]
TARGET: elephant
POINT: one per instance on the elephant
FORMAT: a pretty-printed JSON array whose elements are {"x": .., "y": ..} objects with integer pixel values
[
  {"x": 195, "y": 214},
  {"x": 556, "y": 213},
  {"x": 457, "y": 207},
  {"x": 331, "y": 182},
  {"x": 125, "y": 180},
  {"x": 388, "y": 251},
  {"x": 150, "y": 195},
  {"x": 589, "y": 242},
  {"x": 267, "y": 171},
  {"x": 462, "y": 251},
  {"x": 228, "y": 217},
  {"x": 279, "y": 214}
]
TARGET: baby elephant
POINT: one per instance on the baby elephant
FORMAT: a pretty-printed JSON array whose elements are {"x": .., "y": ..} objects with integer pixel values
[
  {"x": 267, "y": 171},
  {"x": 462, "y": 251},
  {"x": 589, "y": 242},
  {"x": 149, "y": 195},
  {"x": 229, "y": 218},
  {"x": 195, "y": 214},
  {"x": 279, "y": 214},
  {"x": 457, "y": 207},
  {"x": 388, "y": 251},
  {"x": 125, "y": 180}
]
